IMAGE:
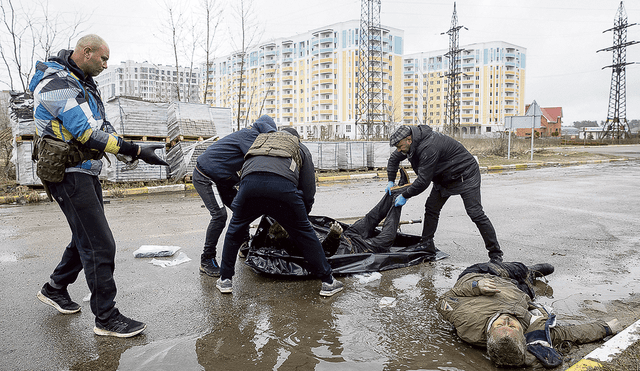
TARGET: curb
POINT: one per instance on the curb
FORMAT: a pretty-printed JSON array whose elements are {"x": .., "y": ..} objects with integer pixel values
[
  {"x": 608, "y": 350},
  {"x": 188, "y": 187},
  {"x": 532, "y": 165}
]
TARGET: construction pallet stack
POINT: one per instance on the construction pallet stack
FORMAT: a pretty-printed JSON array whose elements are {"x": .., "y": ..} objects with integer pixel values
[
  {"x": 192, "y": 128},
  {"x": 132, "y": 117},
  {"x": 143, "y": 123},
  {"x": 22, "y": 131},
  {"x": 349, "y": 155}
]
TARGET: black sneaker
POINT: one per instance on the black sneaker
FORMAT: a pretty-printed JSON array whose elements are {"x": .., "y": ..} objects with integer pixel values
[
  {"x": 210, "y": 267},
  {"x": 329, "y": 289},
  {"x": 119, "y": 326},
  {"x": 58, "y": 299}
]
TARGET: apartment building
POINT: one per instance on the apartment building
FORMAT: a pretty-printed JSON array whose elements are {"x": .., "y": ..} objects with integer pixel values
[
  {"x": 151, "y": 82},
  {"x": 491, "y": 87},
  {"x": 307, "y": 81}
]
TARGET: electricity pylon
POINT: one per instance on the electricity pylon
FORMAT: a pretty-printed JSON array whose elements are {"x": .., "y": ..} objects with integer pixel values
[
  {"x": 617, "y": 126},
  {"x": 370, "y": 100},
  {"x": 452, "y": 114}
]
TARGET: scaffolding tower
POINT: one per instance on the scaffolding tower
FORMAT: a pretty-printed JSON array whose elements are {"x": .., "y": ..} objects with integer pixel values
[
  {"x": 370, "y": 99},
  {"x": 452, "y": 113},
  {"x": 617, "y": 126}
]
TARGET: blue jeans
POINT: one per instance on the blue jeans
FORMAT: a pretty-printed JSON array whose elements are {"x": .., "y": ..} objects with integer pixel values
[
  {"x": 273, "y": 195},
  {"x": 92, "y": 246}
]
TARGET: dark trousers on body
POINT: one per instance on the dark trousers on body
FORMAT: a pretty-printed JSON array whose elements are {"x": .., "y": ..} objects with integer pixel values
[
  {"x": 273, "y": 195},
  {"x": 365, "y": 228},
  {"x": 469, "y": 190},
  {"x": 92, "y": 245},
  {"x": 204, "y": 187}
]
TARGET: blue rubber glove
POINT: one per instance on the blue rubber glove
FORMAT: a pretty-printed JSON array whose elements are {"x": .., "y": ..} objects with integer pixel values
[
  {"x": 400, "y": 201},
  {"x": 388, "y": 189}
]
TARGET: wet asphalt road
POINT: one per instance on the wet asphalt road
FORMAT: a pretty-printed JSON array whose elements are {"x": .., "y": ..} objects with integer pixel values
[{"x": 582, "y": 219}]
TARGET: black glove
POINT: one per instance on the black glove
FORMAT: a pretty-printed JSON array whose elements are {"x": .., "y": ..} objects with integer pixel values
[{"x": 148, "y": 155}]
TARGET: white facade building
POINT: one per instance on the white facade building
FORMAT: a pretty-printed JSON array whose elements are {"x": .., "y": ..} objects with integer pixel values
[{"x": 151, "y": 82}]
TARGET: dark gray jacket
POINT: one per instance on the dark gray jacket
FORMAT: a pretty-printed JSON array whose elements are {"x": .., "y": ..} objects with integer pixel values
[{"x": 435, "y": 158}]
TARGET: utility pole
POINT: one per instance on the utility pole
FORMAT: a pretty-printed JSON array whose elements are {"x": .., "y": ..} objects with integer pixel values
[
  {"x": 617, "y": 126},
  {"x": 370, "y": 100},
  {"x": 452, "y": 114}
]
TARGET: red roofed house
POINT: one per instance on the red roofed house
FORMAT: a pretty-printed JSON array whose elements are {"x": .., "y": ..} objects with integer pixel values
[{"x": 550, "y": 123}]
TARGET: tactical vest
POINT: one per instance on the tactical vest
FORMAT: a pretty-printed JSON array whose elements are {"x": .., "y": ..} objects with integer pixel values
[{"x": 276, "y": 144}]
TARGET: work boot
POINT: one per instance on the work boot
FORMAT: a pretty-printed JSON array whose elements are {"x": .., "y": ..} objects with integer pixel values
[
  {"x": 57, "y": 298},
  {"x": 540, "y": 270},
  {"x": 427, "y": 245}
]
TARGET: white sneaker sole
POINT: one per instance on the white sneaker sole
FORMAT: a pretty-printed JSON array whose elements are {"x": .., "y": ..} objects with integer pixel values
[
  {"x": 48, "y": 301},
  {"x": 101, "y": 332},
  {"x": 332, "y": 292}
]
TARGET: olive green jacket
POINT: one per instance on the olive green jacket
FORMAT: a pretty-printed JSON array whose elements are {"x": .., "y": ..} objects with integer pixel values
[{"x": 470, "y": 312}]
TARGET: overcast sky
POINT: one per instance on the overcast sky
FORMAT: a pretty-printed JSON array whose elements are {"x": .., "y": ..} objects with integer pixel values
[{"x": 561, "y": 37}]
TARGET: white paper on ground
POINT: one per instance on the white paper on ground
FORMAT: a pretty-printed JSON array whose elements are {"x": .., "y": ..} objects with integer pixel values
[
  {"x": 368, "y": 277},
  {"x": 155, "y": 251},
  {"x": 181, "y": 258},
  {"x": 387, "y": 302}
]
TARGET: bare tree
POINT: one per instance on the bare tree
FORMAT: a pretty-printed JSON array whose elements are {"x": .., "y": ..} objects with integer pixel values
[
  {"x": 192, "y": 51},
  {"x": 52, "y": 28},
  {"x": 213, "y": 17},
  {"x": 249, "y": 34},
  {"x": 30, "y": 34},
  {"x": 17, "y": 29},
  {"x": 175, "y": 32}
]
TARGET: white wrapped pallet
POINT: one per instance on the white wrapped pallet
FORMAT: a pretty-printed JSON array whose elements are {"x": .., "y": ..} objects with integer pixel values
[
  {"x": 190, "y": 120},
  {"x": 25, "y": 168},
  {"x": 353, "y": 155},
  {"x": 116, "y": 171},
  {"x": 132, "y": 117},
  {"x": 21, "y": 115},
  {"x": 182, "y": 157},
  {"x": 222, "y": 119}
]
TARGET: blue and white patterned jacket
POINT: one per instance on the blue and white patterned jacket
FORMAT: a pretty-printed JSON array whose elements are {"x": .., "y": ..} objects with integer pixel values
[{"x": 67, "y": 106}]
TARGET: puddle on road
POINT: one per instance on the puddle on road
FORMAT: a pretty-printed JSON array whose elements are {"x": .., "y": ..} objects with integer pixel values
[{"x": 287, "y": 330}]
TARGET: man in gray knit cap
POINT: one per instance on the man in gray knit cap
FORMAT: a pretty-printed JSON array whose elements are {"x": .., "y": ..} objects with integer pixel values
[{"x": 444, "y": 161}]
